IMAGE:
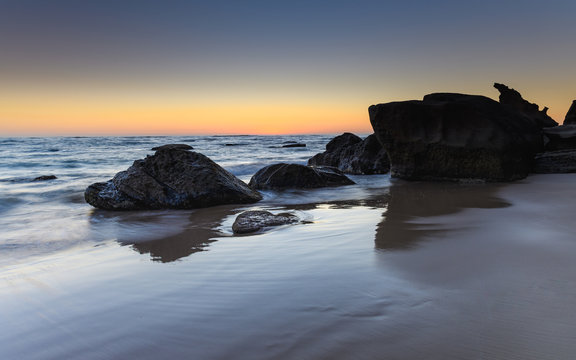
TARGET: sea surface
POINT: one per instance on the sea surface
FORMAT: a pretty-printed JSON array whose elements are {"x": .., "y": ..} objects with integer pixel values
[
  {"x": 37, "y": 217},
  {"x": 383, "y": 269}
]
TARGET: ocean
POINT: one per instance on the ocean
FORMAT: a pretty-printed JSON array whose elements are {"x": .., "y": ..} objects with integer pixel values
[
  {"x": 384, "y": 269},
  {"x": 39, "y": 217}
]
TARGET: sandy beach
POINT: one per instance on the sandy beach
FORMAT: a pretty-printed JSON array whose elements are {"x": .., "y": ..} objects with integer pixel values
[{"x": 410, "y": 271}]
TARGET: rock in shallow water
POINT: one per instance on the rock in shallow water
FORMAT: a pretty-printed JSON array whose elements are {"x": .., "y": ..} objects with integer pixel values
[
  {"x": 255, "y": 220},
  {"x": 171, "y": 178},
  {"x": 45, "y": 178},
  {"x": 353, "y": 155},
  {"x": 456, "y": 136},
  {"x": 286, "y": 176}
]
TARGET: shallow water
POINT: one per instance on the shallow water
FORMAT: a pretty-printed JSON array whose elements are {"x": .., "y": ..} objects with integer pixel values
[{"x": 383, "y": 270}]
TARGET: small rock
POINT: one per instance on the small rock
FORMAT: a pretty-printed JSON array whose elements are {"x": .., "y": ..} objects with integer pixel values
[
  {"x": 294, "y": 145},
  {"x": 45, "y": 178},
  {"x": 173, "y": 147},
  {"x": 255, "y": 220},
  {"x": 286, "y": 176}
]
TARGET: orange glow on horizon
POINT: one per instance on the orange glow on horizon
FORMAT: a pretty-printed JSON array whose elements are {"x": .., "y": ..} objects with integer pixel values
[{"x": 72, "y": 118}]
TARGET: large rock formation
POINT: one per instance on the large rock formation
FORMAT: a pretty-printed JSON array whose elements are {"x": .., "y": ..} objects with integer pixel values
[
  {"x": 171, "y": 178},
  {"x": 456, "y": 136},
  {"x": 286, "y": 176},
  {"x": 256, "y": 220},
  {"x": 554, "y": 162},
  {"x": 512, "y": 98},
  {"x": 353, "y": 155},
  {"x": 570, "y": 118}
]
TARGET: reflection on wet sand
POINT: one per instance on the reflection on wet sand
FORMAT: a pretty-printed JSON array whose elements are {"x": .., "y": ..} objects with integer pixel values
[
  {"x": 197, "y": 232},
  {"x": 411, "y": 200}
]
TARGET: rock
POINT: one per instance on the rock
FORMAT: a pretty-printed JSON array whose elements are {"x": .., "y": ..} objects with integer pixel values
[
  {"x": 570, "y": 118},
  {"x": 45, "y": 178},
  {"x": 173, "y": 147},
  {"x": 171, "y": 178},
  {"x": 285, "y": 176},
  {"x": 554, "y": 162},
  {"x": 513, "y": 99},
  {"x": 455, "y": 137},
  {"x": 255, "y": 220},
  {"x": 353, "y": 155},
  {"x": 561, "y": 137},
  {"x": 293, "y": 145}
]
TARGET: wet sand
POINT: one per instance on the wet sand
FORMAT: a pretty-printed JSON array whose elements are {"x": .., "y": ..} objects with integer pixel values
[{"x": 413, "y": 271}]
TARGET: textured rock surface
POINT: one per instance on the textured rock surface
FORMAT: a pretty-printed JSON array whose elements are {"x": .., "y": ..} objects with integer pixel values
[
  {"x": 171, "y": 178},
  {"x": 570, "y": 118},
  {"x": 560, "y": 137},
  {"x": 552, "y": 162},
  {"x": 353, "y": 155},
  {"x": 455, "y": 137},
  {"x": 285, "y": 176},
  {"x": 513, "y": 99},
  {"x": 255, "y": 220}
]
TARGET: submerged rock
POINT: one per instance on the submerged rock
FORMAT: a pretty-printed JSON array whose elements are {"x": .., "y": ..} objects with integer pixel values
[
  {"x": 173, "y": 147},
  {"x": 570, "y": 118},
  {"x": 454, "y": 137},
  {"x": 45, "y": 178},
  {"x": 255, "y": 220},
  {"x": 285, "y": 176},
  {"x": 293, "y": 145},
  {"x": 555, "y": 162},
  {"x": 353, "y": 155},
  {"x": 513, "y": 99},
  {"x": 171, "y": 178}
]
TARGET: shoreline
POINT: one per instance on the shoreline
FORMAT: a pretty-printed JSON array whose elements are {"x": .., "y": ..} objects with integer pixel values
[{"x": 430, "y": 270}]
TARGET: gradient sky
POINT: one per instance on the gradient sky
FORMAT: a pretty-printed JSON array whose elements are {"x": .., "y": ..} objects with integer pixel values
[{"x": 73, "y": 67}]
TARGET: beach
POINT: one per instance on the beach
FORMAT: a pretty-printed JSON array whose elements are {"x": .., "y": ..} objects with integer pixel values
[{"x": 384, "y": 269}]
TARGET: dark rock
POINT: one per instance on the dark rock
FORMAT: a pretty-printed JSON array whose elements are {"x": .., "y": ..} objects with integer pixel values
[
  {"x": 554, "y": 162},
  {"x": 560, "y": 137},
  {"x": 285, "y": 176},
  {"x": 513, "y": 99},
  {"x": 45, "y": 178},
  {"x": 171, "y": 178},
  {"x": 353, "y": 155},
  {"x": 255, "y": 220},
  {"x": 455, "y": 137},
  {"x": 570, "y": 118},
  {"x": 293, "y": 145},
  {"x": 235, "y": 144},
  {"x": 173, "y": 147}
]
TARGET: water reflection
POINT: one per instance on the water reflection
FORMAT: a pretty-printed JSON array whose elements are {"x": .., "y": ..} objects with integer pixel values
[
  {"x": 165, "y": 235},
  {"x": 411, "y": 200}
]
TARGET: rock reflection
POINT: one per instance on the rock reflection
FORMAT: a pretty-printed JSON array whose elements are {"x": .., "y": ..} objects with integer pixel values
[
  {"x": 411, "y": 200},
  {"x": 191, "y": 232}
]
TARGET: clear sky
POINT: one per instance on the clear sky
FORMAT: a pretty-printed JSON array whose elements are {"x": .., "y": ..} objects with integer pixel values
[{"x": 74, "y": 67}]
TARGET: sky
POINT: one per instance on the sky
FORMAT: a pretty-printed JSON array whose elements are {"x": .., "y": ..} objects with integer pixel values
[{"x": 142, "y": 67}]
